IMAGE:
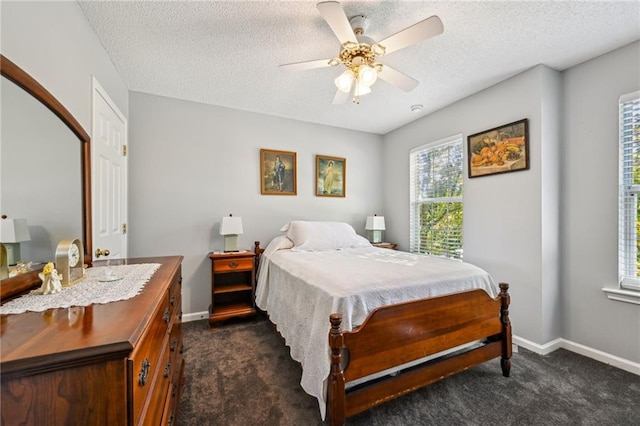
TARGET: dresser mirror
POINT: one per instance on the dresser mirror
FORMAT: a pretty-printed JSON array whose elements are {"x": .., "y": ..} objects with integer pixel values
[{"x": 45, "y": 172}]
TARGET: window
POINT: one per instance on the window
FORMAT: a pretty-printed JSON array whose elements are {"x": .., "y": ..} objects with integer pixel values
[
  {"x": 436, "y": 198},
  {"x": 629, "y": 191}
]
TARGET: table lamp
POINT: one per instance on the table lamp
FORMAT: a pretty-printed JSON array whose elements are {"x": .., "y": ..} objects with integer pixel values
[
  {"x": 375, "y": 226},
  {"x": 230, "y": 227},
  {"x": 12, "y": 233}
]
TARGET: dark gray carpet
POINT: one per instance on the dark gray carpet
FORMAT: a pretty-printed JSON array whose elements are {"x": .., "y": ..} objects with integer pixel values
[{"x": 242, "y": 374}]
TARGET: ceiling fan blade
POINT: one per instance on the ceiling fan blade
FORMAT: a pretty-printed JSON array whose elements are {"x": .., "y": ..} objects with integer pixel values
[
  {"x": 398, "y": 79},
  {"x": 340, "y": 97},
  {"x": 307, "y": 65},
  {"x": 421, "y": 31},
  {"x": 333, "y": 13}
]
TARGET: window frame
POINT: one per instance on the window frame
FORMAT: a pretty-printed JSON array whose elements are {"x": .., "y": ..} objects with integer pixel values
[
  {"x": 628, "y": 193},
  {"x": 416, "y": 200}
]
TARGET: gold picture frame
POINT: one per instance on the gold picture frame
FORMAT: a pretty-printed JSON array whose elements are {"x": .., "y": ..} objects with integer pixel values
[
  {"x": 278, "y": 171},
  {"x": 331, "y": 176},
  {"x": 502, "y": 149}
]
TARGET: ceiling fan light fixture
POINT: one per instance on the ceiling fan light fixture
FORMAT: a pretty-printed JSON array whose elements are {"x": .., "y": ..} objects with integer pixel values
[
  {"x": 334, "y": 62},
  {"x": 350, "y": 45},
  {"x": 344, "y": 81},
  {"x": 363, "y": 89},
  {"x": 367, "y": 75},
  {"x": 378, "y": 49}
]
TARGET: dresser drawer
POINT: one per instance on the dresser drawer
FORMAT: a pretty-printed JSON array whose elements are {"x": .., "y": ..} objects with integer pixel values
[
  {"x": 154, "y": 407},
  {"x": 145, "y": 363},
  {"x": 175, "y": 290},
  {"x": 231, "y": 265}
]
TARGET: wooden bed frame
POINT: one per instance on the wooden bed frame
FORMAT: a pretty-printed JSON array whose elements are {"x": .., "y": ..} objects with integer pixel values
[{"x": 398, "y": 334}]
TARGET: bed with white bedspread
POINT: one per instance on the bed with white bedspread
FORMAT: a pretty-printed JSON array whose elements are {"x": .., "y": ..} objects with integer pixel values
[{"x": 323, "y": 268}]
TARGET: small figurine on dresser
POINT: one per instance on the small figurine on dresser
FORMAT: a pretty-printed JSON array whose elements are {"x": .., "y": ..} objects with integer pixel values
[{"x": 51, "y": 281}]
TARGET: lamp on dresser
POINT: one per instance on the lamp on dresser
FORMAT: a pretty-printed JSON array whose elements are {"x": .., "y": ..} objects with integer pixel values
[
  {"x": 12, "y": 233},
  {"x": 231, "y": 227},
  {"x": 375, "y": 226}
]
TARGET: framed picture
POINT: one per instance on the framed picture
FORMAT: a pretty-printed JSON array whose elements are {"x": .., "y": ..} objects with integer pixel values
[
  {"x": 499, "y": 150},
  {"x": 278, "y": 172},
  {"x": 331, "y": 173}
]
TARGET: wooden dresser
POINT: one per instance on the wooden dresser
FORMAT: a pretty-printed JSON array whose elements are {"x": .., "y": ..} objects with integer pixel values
[{"x": 119, "y": 363}]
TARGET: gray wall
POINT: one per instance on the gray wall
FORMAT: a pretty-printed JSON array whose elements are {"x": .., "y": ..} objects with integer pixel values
[
  {"x": 505, "y": 218},
  {"x": 590, "y": 203},
  {"x": 54, "y": 43},
  {"x": 190, "y": 164},
  {"x": 551, "y": 231}
]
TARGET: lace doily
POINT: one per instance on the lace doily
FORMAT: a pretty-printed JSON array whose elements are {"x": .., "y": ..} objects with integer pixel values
[{"x": 101, "y": 284}]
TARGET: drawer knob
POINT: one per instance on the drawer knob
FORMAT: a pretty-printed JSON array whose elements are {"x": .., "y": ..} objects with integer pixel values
[
  {"x": 173, "y": 300},
  {"x": 167, "y": 369},
  {"x": 233, "y": 265},
  {"x": 172, "y": 348},
  {"x": 144, "y": 372},
  {"x": 167, "y": 316}
]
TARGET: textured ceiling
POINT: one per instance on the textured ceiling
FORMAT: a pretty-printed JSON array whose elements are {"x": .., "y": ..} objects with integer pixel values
[{"x": 227, "y": 53}]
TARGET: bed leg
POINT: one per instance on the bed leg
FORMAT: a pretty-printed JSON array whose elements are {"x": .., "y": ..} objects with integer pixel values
[
  {"x": 505, "y": 361},
  {"x": 336, "y": 400}
]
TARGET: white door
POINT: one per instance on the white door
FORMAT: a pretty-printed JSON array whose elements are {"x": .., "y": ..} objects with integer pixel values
[{"x": 109, "y": 177}]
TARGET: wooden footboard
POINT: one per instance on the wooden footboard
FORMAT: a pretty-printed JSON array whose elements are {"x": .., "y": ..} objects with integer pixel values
[{"x": 398, "y": 334}]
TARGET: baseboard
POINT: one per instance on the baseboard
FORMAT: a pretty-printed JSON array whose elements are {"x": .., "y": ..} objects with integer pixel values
[
  {"x": 624, "y": 364},
  {"x": 195, "y": 316},
  {"x": 547, "y": 348}
]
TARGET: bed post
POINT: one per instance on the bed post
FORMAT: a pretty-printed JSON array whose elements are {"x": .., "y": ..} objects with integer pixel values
[
  {"x": 336, "y": 392},
  {"x": 505, "y": 361},
  {"x": 258, "y": 251}
]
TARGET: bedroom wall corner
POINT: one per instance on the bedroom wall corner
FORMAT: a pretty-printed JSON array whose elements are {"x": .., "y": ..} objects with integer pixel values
[
  {"x": 590, "y": 203},
  {"x": 503, "y": 214}
]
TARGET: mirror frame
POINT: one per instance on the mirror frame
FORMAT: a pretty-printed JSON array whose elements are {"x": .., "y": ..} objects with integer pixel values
[{"x": 10, "y": 287}]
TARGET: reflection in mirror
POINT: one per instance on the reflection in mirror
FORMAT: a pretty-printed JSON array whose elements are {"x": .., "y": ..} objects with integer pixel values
[
  {"x": 40, "y": 172},
  {"x": 45, "y": 171}
]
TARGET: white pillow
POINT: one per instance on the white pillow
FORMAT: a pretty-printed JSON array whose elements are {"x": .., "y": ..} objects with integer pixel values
[
  {"x": 280, "y": 243},
  {"x": 317, "y": 236}
]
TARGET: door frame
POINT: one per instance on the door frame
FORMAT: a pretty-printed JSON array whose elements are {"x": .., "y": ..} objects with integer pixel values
[{"x": 98, "y": 90}]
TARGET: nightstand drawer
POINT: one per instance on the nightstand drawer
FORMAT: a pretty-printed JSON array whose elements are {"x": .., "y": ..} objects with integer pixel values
[{"x": 234, "y": 264}]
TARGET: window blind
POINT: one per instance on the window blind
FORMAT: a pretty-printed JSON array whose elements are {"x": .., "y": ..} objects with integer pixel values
[
  {"x": 629, "y": 191},
  {"x": 436, "y": 198}
]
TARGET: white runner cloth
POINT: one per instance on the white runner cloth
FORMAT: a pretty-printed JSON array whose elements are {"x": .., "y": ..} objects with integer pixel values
[{"x": 97, "y": 286}]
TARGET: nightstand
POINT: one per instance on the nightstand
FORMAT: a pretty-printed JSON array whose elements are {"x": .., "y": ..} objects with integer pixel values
[
  {"x": 391, "y": 246},
  {"x": 232, "y": 285}
]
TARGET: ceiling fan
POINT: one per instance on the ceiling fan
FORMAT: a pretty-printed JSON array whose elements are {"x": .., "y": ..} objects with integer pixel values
[{"x": 359, "y": 53}]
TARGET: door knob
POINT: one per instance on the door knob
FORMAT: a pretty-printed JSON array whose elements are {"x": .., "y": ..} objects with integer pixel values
[{"x": 104, "y": 252}]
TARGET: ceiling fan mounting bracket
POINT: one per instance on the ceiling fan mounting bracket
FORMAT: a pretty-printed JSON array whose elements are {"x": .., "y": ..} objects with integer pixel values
[{"x": 359, "y": 24}]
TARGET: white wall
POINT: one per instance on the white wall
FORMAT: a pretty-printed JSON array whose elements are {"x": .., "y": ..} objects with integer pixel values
[
  {"x": 504, "y": 215},
  {"x": 590, "y": 203},
  {"x": 190, "y": 164}
]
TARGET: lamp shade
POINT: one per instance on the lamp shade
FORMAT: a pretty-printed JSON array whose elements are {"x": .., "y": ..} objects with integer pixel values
[
  {"x": 368, "y": 75},
  {"x": 231, "y": 225},
  {"x": 14, "y": 231},
  {"x": 375, "y": 223},
  {"x": 344, "y": 81}
]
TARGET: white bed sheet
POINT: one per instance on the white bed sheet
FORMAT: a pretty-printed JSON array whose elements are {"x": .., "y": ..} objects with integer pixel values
[{"x": 299, "y": 290}]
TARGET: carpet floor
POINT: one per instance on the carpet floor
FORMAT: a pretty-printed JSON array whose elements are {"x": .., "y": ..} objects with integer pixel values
[{"x": 241, "y": 374}]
